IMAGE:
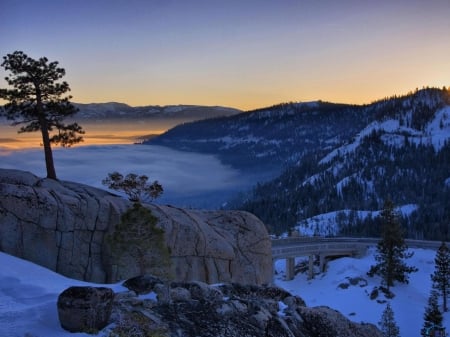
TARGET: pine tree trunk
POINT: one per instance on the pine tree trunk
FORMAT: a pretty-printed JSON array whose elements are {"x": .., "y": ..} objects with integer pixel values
[
  {"x": 49, "y": 163},
  {"x": 444, "y": 295}
]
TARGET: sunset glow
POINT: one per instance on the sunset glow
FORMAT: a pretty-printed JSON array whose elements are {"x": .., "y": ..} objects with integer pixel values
[
  {"x": 96, "y": 134},
  {"x": 244, "y": 54}
]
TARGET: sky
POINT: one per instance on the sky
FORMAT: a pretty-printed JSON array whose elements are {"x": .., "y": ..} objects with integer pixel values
[{"x": 241, "y": 53}]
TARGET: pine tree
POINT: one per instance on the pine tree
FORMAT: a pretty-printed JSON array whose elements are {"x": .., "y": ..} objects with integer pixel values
[
  {"x": 433, "y": 316},
  {"x": 388, "y": 326},
  {"x": 37, "y": 100},
  {"x": 136, "y": 187},
  {"x": 391, "y": 250},
  {"x": 138, "y": 246},
  {"x": 441, "y": 275}
]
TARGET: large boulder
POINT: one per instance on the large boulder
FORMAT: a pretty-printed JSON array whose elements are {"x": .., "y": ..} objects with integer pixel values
[
  {"x": 85, "y": 309},
  {"x": 62, "y": 226},
  {"x": 216, "y": 246}
]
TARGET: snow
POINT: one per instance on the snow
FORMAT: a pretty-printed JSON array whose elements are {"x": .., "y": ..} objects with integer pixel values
[
  {"x": 325, "y": 224},
  {"x": 436, "y": 133},
  {"x": 447, "y": 182},
  {"x": 28, "y": 294},
  {"x": 354, "y": 302},
  {"x": 439, "y": 128}
]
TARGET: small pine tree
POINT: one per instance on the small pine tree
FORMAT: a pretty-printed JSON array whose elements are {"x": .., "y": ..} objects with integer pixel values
[
  {"x": 441, "y": 275},
  {"x": 391, "y": 251},
  {"x": 137, "y": 241},
  {"x": 388, "y": 326},
  {"x": 136, "y": 187},
  {"x": 433, "y": 316}
]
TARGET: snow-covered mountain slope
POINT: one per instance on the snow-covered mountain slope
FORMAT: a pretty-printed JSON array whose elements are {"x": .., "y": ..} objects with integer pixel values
[
  {"x": 328, "y": 224},
  {"x": 435, "y": 133},
  {"x": 113, "y": 110},
  {"x": 271, "y": 138},
  {"x": 402, "y": 153}
]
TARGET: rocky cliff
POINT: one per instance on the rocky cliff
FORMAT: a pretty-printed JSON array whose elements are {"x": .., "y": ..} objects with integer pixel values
[{"x": 62, "y": 225}]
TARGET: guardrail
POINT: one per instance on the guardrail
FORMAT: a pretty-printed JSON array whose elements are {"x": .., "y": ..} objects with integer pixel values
[{"x": 316, "y": 245}]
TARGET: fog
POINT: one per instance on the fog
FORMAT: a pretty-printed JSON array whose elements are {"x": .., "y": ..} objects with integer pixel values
[{"x": 188, "y": 179}]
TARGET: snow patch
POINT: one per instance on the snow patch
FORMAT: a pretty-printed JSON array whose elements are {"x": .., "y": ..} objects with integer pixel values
[{"x": 327, "y": 224}]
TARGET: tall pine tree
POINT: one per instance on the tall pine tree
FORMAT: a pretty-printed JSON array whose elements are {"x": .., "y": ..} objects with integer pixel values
[
  {"x": 441, "y": 275},
  {"x": 388, "y": 326},
  {"x": 391, "y": 250},
  {"x": 433, "y": 316},
  {"x": 36, "y": 99}
]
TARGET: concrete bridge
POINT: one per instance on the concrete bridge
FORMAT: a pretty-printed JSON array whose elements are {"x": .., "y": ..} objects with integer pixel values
[{"x": 326, "y": 248}]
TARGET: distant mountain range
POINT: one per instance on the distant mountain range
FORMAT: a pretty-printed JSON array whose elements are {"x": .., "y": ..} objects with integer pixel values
[
  {"x": 342, "y": 160},
  {"x": 114, "y": 110}
]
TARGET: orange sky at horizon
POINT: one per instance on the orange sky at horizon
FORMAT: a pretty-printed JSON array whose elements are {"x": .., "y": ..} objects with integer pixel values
[
  {"x": 96, "y": 134},
  {"x": 243, "y": 54}
]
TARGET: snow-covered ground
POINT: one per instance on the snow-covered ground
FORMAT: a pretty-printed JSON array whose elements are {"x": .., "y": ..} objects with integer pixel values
[
  {"x": 326, "y": 224},
  {"x": 354, "y": 302},
  {"x": 28, "y": 294}
]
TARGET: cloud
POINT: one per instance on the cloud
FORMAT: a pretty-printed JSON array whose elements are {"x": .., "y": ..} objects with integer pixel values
[{"x": 187, "y": 178}]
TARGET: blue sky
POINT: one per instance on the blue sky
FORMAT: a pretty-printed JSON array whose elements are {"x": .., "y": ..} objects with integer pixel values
[{"x": 245, "y": 54}]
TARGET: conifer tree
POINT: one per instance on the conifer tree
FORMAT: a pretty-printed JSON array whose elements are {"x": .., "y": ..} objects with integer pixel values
[
  {"x": 37, "y": 100},
  {"x": 441, "y": 275},
  {"x": 388, "y": 326},
  {"x": 433, "y": 316},
  {"x": 136, "y": 187},
  {"x": 137, "y": 243},
  {"x": 391, "y": 250}
]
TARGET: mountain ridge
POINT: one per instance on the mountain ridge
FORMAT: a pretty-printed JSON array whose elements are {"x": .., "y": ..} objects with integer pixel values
[
  {"x": 325, "y": 157},
  {"x": 121, "y": 111}
]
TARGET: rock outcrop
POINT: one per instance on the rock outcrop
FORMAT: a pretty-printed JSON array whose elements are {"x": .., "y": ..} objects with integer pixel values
[
  {"x": 85, "y": 309},
  {"x": 227, "y": 310},
  {"x": 62, "y": 225}
]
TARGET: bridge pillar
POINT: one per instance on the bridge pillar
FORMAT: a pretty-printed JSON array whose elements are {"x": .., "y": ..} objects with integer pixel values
[
  {"x": 322, "y": 263},
  {"x": 310, "y": 267},
  {"x": 290, "y": 268}
]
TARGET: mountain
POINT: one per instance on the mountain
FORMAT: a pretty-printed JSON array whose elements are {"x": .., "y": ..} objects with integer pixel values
[
  {"x": 337, "y": 158},
  {"x": 113, "y": 110},
  {"x": 268, "y": 140}
]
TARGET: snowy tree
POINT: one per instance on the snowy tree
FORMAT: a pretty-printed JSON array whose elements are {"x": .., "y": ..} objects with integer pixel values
[
  {"x": 441, "y": 275},
  {"x": 391, "y": 250},
  {"x": 433, "y": 316},
  {"x": 388, "y": 326}
]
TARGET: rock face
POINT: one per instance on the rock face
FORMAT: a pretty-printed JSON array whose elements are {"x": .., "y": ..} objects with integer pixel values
[
  {"x": 216, "y": 246},
  {"x": 85, "y": 309},
  {"x": 62, "y": 226},
  {"x": 229, "y": 310}
]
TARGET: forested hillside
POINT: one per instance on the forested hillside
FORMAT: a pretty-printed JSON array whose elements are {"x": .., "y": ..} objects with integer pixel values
[
  {"x": 269, "y": 140},
  {"x": 338, "y": 158},
  {"x": 404, "y": 155}
]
